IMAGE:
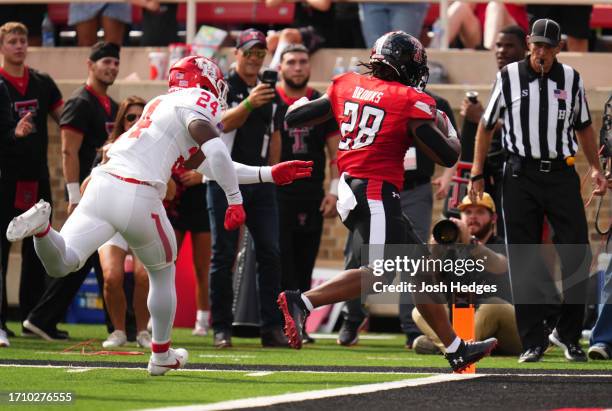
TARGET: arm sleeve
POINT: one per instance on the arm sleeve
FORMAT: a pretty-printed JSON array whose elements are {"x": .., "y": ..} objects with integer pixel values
[
  {"x": 220, "y": 161},
  {"x": 246, "y": 174},
  {"x": 76, "y": 115},
  {"x": 442, "y": 105},
  {"x": 491, "y": 114},
  {"x": 582, "y": 116},
  {"x": 331, "y": 128}
]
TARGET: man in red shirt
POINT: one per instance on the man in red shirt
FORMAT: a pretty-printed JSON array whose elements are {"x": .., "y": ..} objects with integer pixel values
[{"x": 380, "y": 115}]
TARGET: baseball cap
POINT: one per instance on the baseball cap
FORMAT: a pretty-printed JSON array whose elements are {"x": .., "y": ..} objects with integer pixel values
[
  {"x": 249, "y": 38},
  {"x": 486, "y": 201},
  {"x": 545, "y": 31}
]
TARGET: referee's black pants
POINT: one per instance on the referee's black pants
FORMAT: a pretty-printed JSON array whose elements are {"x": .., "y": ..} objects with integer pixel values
[{"x": 527, "y": 199}]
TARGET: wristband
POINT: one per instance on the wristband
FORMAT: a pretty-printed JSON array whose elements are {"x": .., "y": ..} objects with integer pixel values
[
  {"x": 476, "y": 177},
  {"x": 247, "y": 104},
  {"x": 234, "y": 198},
  {"x": 74, "y": 193},
  {"x": 265, "y": 174},
  {"x": 333, "y": 186}
]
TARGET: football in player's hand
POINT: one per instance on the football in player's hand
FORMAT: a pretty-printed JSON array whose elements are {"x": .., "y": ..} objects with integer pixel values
[
  {"x": 443, "y": 150},
  {"x": 441, "y": 122}
]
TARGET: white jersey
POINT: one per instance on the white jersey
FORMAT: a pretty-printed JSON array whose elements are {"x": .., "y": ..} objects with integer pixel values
[{"x": 160, "y": 140}]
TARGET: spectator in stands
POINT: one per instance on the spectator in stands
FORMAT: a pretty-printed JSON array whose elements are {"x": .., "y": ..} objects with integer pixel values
[
  {"x": 159, "y": 24},
  {"x": 313, "y": 26},
  {"x": 113, "y": 254},
  {"x": 87, "y": 18},
  {"x": 23, "y": 161},
  {"x": 30, "y": 16},
  {"x": 575, "y": 21},
  {"x": 246, "y": 126},
  {"x": 477, "y": 24},
  {"x": 416, "y": 200},
  {"x": 380, "y": 18},
  {"x": 348, "y": 34},
  {"x": 510, "y": 46},
  {"x": 188, "y": 212},
  {"x": 304, "y": 204},
  {"x": 318, "y": 23},
  {"x": 8, "y": 135},
  {"x": 86, "y": 122},
  {"x": 494, "y": 314}
]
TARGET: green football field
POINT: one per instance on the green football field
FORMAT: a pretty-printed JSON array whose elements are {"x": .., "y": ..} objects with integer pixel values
[{"x": 118, "y": 382}]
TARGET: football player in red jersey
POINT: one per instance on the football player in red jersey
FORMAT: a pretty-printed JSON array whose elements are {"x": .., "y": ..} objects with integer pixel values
[{"x": 380, "y": 114}]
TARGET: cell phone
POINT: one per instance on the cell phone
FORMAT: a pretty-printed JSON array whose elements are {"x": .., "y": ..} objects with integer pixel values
[{"x": 269, "y": 77}]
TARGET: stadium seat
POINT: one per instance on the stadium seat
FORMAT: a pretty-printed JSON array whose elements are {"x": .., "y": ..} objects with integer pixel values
[{"x": 601, "y": 17}]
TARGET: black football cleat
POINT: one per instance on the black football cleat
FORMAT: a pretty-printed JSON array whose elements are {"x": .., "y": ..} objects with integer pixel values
[
  {"x": 295, "y": 313},
  {"x": 469, "y": 353}
]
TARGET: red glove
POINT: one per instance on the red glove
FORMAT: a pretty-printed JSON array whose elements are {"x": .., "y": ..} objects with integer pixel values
[
  {"x": 234, "y": 217},
  {"x": 288, "y": 171}
]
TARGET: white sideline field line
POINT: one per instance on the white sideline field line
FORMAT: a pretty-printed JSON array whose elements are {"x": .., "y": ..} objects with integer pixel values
[
  {"x": 319, "y": 394},
  {"x": 246, "y": 371},
  {"x": 143, "y": 368}
]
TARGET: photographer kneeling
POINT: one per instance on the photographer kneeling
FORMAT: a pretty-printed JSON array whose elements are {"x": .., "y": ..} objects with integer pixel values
[{"x": 494, "y": 316}]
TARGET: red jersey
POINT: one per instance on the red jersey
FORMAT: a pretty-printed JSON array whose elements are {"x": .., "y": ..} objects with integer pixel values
[{"x": 373, "y": 117}]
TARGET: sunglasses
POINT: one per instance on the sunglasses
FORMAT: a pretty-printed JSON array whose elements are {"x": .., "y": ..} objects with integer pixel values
[
  {"x": 257, "y": 53},
  {"x": 132, "y": 117}
]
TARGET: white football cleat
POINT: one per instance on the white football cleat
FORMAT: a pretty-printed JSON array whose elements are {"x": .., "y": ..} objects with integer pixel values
[
  {"x": 143, "y": 339},
  {"x": 177, "y": 358},
  {"x": 199, "y": 330},
  {"x": 33, "y": 221},
  {"x": 116, "y": 339}
]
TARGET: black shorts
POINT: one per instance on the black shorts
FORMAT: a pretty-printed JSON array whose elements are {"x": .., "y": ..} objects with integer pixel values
[
  {"x": 30, "y": 15},
  {"x": 192, "y": 211},
  {"x": 378, "y": 214},
  {"x": 574, "y": 20}
]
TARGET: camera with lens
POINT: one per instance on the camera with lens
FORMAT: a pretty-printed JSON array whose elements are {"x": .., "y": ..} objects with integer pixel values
[{"x": 446, "y": 232}]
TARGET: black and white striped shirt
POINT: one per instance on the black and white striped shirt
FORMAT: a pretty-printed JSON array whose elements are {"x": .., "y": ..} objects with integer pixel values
[{"x": 539, "y": 114}]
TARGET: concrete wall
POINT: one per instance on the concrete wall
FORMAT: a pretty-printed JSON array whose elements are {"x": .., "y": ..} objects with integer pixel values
[{"x": 463, "y": 66}]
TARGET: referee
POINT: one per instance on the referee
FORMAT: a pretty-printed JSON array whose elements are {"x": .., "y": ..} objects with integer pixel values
[{"x": 545, "y": 109}]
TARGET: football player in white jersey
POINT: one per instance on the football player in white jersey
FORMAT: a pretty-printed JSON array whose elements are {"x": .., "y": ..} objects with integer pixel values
[{"x": 125, "y": 194}]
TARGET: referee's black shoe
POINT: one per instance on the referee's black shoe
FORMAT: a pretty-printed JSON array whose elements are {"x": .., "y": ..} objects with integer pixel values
[
  {"x": 295, "y": 313},
  {"x": 470, "y": 352},
  {"x": 533, "y": 354},
  {"x": 572, "y": 351}
]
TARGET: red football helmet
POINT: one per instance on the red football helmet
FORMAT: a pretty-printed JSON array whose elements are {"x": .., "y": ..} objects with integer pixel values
[{"x": 201, "y": 72}]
